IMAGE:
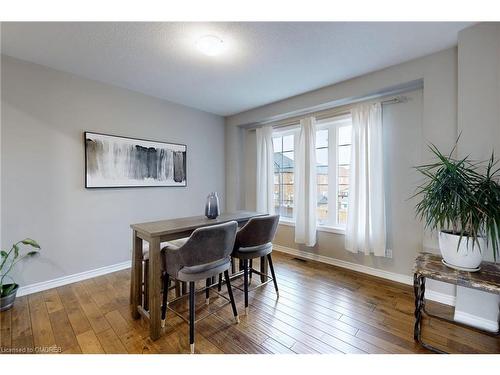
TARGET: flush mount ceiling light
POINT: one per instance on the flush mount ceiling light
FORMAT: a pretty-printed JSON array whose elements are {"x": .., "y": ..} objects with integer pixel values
[{"x": 210, "y": 45}]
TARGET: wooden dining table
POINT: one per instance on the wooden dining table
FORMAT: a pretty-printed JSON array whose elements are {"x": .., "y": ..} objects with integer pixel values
[{"x": 155, "y": 233}]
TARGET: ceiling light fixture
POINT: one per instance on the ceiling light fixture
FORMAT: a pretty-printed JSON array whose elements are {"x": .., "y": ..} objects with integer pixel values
[{"x": 210, "y": 45}]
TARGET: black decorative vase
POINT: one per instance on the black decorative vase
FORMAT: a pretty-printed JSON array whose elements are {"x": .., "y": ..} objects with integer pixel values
[{"x": 212, "y": 206}]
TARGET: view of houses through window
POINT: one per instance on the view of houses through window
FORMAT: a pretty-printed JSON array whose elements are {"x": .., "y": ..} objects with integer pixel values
[
  {"x": 333, "y": 153},
  {"x": 283, "y": 144}
]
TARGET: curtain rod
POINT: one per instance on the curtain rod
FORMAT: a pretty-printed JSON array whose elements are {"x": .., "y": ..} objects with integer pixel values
[{"x": 326, "y": 113}]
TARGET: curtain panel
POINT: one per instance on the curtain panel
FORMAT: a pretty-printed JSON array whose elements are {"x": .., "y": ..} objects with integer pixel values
[
  {"x": 305, "y": 184},
  {"x": 265, "y": 170},
  {"x": 366, "y": 220}
]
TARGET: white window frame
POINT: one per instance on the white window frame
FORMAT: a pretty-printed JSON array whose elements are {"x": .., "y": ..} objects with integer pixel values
[
  {"x": 283, "y": 132},
  {"x": 333, "y": 125}
]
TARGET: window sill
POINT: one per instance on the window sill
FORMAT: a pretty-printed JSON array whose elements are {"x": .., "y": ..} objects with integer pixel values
[
  {"x": 336, "y": 230},
  {"x": 286, "y": 222},
  {"x": 320, "y": 228}
]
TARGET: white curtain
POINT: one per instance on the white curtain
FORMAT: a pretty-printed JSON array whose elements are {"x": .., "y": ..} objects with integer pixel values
[
  {"x": 305, "y": 194},
  {"x": 265, "y": 171},
  {"x": 366, "y": 229}
]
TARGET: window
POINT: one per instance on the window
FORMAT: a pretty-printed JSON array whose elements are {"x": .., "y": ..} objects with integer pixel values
[
  {"x": 333, "y": 154},
  {"x": 283, "y": 144}
]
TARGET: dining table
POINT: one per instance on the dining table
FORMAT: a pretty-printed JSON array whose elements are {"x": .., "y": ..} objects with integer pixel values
[{"x": 156, "y": 233}]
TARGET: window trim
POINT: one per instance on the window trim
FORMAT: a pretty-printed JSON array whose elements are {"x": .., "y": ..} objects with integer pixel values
[
  {"x": 333, "y": 124},
  {"x": 286, "y": 221}
]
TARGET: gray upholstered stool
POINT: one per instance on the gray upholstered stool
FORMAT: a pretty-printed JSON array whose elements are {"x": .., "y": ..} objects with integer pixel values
[
  {"x": 205, "y": 254},
  {"x": 254, "y": 240}
]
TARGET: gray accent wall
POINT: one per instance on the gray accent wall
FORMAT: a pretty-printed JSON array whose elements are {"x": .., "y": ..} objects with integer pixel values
[
  {"x": 479, "y": 125},
  {"x": 402, "y": 133},
  {"x": 44, "y": 115},
  {"x": 429, "y": 116},
  {"x": 403, "y": 145}
]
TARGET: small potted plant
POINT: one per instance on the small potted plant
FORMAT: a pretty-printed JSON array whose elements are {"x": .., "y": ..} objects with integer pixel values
[
  {"x": 461, "y": 199},
  {"x": 8, "y": 259}
]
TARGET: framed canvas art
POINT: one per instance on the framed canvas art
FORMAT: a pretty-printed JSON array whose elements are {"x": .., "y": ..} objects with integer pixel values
[{"x": 114, "y": 161}]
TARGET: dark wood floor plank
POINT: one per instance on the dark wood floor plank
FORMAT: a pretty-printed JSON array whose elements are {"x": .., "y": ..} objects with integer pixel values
[
  {"x": 321, "y": 309},
  {"x": 63, "y": 332},
  {"x": 117, "y": 322},
  {"x": 76, "y": 316},
  {"x": 22, "y": 336},
  {"x": 110, "y": 342},
  {"x": 90, "y": 308},
  {"x": 89, "y": 343},
  {"x": 306, "y": 312},
  {"x": 5, "y": 329},
  {"x": 275, "y": 347},
  {"x": 43, "y": 336},
  {"x": 314, "y": 328},
  {"x": 52, "y": 301}
]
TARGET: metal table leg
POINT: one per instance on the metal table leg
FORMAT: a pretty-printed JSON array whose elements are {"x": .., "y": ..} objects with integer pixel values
[{"x": 419, "y": 290}]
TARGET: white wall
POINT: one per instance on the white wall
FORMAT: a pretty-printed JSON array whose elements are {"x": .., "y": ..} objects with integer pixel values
[{"x": 44, "y": 115}]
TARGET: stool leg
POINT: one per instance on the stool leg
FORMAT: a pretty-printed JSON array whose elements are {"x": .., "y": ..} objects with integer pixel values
[
  {"x": 207, "y": 291},
  {"x": 263, "y": 269},
  {"x": 166, "y": 283},
  {"x": 245, "y": 283},
  {"x": 191, "y": 316},
  {"x": 250, "y": 266},
  {"x": 219, "y": 287},
  {"x": 178, "y": 291},
  {"x": 231, "y": 297},
  {"x": 146, "y": 285},
  {"x": 270, "y": 260}
]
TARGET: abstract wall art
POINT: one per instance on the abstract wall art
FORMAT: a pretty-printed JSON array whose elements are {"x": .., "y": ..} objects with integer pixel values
[{"x": 113, "y": 161}]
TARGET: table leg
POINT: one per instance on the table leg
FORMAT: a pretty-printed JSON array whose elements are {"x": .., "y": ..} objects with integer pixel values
[
  {"x": 263, "y": 269},
  {"x": 136, "y": 276},
  {"x": 419, "y": 290},
  {"x": 154, "y": 288}
]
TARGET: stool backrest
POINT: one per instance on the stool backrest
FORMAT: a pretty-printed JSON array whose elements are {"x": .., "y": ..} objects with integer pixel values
[
  {"x": 259, "y": 230},
  {"x": 209, "y": 244}
]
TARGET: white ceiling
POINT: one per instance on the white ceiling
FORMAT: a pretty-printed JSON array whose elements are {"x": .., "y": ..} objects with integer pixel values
[{"x": 263, "y": 62}]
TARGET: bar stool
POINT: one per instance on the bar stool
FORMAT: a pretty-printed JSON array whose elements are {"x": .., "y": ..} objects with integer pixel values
[
  {"x": 205, "y": 254},
  {"x": 254, "y": 240}
]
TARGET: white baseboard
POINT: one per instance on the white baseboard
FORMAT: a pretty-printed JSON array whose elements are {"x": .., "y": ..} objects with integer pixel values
[
  {"x": 44, "y": 285},
  {"x": 476, "y": 321},
  {"x": 445, "y": 299},
  {"x": 397, "y": 277}
]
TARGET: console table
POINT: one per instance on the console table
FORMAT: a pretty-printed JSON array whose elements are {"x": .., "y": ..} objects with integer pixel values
[{"x": 430, "y": 266}]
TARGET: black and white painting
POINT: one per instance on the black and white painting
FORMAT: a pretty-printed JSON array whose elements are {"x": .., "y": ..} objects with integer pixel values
[{"x": 113, "y": 161}]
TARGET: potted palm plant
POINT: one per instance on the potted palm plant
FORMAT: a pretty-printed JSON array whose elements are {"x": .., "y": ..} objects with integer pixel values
[
  {"x": 461, "y": 199},
  {"x": 8, "y": 259}
]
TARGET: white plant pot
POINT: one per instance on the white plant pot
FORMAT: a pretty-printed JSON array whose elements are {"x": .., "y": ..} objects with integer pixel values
[{"x": 465, "y": 256}]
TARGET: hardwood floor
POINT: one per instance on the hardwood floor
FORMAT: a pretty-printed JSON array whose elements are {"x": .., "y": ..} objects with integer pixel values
[{"x": 321, "y": 309}]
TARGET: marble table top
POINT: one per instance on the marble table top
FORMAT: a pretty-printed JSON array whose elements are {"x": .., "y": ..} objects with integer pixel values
[{"x": 487, "y": 279}]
